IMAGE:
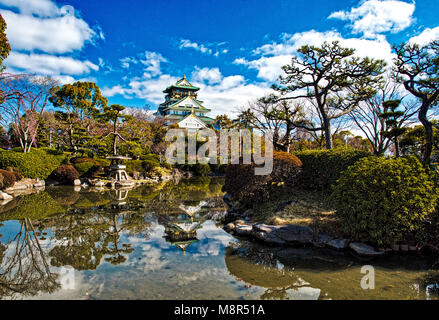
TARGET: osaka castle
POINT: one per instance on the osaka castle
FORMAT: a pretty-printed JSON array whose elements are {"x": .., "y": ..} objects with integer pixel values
[{"x": 183, "y": 108}]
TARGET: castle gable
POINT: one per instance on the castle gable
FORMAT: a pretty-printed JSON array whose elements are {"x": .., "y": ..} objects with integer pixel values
[
  {"x": 191, "y": 122},
  {"x": 188, "y": 103}
]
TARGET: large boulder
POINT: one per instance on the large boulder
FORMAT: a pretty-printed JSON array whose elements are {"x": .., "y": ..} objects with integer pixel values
[
  {"x": 364, "y": 249},
  {"x": 243, "y": 230},
  {"x": 39, "y": 183},
  {"x": 338, "y": 244},
  {"x": 5, "y": 196},
  {"x": 96, "y": 183},
  {"x": 288, "y": 234}
]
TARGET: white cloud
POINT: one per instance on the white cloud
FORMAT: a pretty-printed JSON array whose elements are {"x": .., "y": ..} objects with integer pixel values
[
  {"x": 185, "y": 43},
  {"x": 374, "y": 17},
  {"x": 110, "y": 92},
  {"x": 150, "y": 89},
  {"x": 48, "y": 65},
  {"x": 64, "y": 79},
  {"x": 152, "y": 62},
  {"x": 43, "y": 26},
  {"x": 232, "y": 92},
  {"x": 204, "y": 48},
  {"x": 210, "y": 76},
  {"x": 426, "y": 36},
  {"x": 127, "y": 62},
  {"x": 61, "y": 34},
  {"x": 290, "y": 43},
  {"x": 269, "y": 68},
  {"x": 274, "y": 55},
  {"x": 40, "y": 8}
]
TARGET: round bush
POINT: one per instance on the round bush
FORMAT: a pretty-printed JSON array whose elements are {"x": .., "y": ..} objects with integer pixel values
[
  {"x": 152, "y": 157},
  {"x": 54, "y": 152},
  {"x": 148, "y": 165},
  {"x": 16, "y": 172},
  {"x": 65, "y": 174},
  {"x": 384, "y": 201},
  {"x": 242, "y": 184},
  {"x": 35, "y": 164},
  {"x": 85, "y": 168},
  {"x": 322, "y": 168},
  {"x": 7, "y": 179}
]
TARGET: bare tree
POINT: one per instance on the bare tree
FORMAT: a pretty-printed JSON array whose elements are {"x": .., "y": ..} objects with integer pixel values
[
  {"x": 333, "y": 79},
  {"x": 367, "y": 117},
  {"x": 279, "y": 119},
  {"x": 26, "y": 271},
  {"x": 25, "y": 98}
]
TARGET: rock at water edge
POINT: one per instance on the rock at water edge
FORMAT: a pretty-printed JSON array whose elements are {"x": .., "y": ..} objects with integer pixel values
[{"x": 364, "y": 249}]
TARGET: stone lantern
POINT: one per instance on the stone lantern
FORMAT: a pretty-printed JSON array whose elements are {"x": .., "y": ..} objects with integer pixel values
[{"x": 118, "y": 171}]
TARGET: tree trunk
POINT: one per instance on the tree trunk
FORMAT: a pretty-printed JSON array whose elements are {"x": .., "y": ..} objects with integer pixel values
[
  {"x": 396, "y": 142},
  {"x": 115, "y": 137},
  {"x": 71, "y": 137},
  {"x": 428, "y": 126},
  {"x": 328, "y": 134}
]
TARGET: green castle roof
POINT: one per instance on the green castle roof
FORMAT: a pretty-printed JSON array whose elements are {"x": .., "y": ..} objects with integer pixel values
[
  {"x": 170, "y": 105},
  {"x": 181, "y": 117},
  {"x": 183, "y": 83}
]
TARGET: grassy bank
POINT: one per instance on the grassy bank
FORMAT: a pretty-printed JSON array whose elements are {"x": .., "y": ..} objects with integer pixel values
[{"x": 300, "y": 207}]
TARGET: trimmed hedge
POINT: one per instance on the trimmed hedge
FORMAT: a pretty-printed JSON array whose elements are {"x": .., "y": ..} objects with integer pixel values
[
  {"x": 7, "y": 179},
  {"x": 65, "y": 174},
  {"x": 146, "y": 164},
  {"x": 322, "y": 168},
  {"x": 16, "y": 172},
  {"x": 243, "y": 185},
  {"x": 384, "y": 201},
  {"x": 85, "y": 168},
  {"x": 89, "y": 167},
  {"x": 35, "y": 164},
  {"x": 77, "y": 160}
]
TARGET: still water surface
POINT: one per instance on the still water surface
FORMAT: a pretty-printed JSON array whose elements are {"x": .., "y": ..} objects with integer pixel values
[{"x": 164, "y": 242}]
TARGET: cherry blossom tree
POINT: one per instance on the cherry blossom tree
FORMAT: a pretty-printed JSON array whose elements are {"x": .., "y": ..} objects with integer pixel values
[{"x": 25, "y": 97}]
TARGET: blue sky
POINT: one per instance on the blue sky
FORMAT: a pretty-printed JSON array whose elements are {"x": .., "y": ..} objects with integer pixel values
[{"x": 233, "y": 50}]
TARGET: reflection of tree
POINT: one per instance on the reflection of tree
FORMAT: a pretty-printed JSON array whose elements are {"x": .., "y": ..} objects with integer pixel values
[
  {"x": 115, "y": 251},
  {"x": 81, "y": 241},
  {"x": 90, "y": 227},
  {"x": 259, "y": 268},
  {"x": 86, "y": 239},
  {"x": 25, "y": 271},
  {"x": 281, "y": 271}
]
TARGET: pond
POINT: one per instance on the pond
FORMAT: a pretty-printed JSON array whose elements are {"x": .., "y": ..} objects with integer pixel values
[{"x": 165, "y": 242}]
